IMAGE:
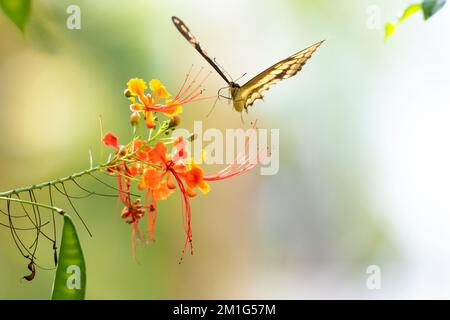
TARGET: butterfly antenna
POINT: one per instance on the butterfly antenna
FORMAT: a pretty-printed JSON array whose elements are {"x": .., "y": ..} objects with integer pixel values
[
  {"x": 222, "y": 68},
  {"x": 240, "y": 77}
]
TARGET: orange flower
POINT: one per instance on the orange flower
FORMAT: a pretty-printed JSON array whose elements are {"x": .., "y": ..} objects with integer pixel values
[
  {"x": 159, "y": 183},
  {"x": 190, "y": 173},
  {"x": 147, "y": 104},
  {"x": 194, "y": 178}
]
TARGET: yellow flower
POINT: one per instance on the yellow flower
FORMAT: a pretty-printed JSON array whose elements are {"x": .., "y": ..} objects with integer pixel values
[
  {"x": 158, "y": 88},
  {"x": 137, "y": 86}
]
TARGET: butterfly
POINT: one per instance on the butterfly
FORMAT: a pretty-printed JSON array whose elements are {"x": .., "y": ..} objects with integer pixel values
[{"x": 244, "y": 96}]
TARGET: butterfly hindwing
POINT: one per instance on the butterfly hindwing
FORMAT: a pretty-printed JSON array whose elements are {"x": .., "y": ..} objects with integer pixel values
[{"x": 252, "y": 90}]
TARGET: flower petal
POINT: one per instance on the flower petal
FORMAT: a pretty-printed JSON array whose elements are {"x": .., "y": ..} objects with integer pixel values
[
  {"x": 190, "y": 192},
  {"x": 159, "y": 89},
  {"x": 149, "y": 120},
  {"x": 141, "y": 151},
  {"x": 152, "y": 178},
  {"x": 158, "y": 153},
  {"x": 137, "y": 86},
  {"x": 204, "y": 187},
  {"x": 180, "y": 146},
  {"x": 162, "y": 192},
  {"x": 194, "y": 176},
  {"x": 111, "y": 140},
  {"x": 170, "y": 183}
]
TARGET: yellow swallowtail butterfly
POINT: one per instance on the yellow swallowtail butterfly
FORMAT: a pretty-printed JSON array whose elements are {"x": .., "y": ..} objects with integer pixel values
[{"x": 244, "y": 96}]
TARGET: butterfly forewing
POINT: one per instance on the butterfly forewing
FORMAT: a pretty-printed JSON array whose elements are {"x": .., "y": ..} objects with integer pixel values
[
  {"x": 184, "y": 30},
  {"x": 252, "y": 90}
]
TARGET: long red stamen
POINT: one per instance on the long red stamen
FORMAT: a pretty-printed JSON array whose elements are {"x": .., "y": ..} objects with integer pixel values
[
  {"x": 122, "y": 193},
  {"x": 243, "y": 162},
  {"x": 186, "y": 210},
  {"x": 187, "y": 100},
  {"x": 181, "y": 96},
  {"x": 186, "y": 77},
  {"x": 196, "y": 90}
]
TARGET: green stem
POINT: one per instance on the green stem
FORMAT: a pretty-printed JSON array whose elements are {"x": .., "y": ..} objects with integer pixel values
[
  {"x": 6, "y": 195},
  {"x": 59, "y": 210},
  {"x": 48, "y": 183}
]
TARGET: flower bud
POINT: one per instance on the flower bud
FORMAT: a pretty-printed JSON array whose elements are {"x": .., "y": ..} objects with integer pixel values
[
  {"x": 174, "y": 121},
  {"x": 127, "y": 93},
  {"x": 122, "y": 151},
  {"x": 135, "y": 118}
]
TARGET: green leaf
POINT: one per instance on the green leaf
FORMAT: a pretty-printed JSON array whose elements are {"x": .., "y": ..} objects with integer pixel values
[
  {"x": 409, "y": 12},
  {"x": 70, "y": 277},
  {"x": 389, "y": 29},
  {"x": 17, "y": 10},
  {"x": 430, "y": 7}
]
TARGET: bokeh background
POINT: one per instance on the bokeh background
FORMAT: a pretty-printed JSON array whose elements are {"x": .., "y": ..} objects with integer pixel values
[{"x": 364, "y": 159}]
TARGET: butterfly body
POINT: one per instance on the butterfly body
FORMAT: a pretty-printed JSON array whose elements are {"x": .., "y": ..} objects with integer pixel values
[
  {"x": 235, "y": 94},
  {"x": 244, "y": 96}
]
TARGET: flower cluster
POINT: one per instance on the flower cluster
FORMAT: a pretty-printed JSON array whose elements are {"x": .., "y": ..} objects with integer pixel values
[
  {"x": 148, "y": 103},
  {"x": 158, "y": 165}
]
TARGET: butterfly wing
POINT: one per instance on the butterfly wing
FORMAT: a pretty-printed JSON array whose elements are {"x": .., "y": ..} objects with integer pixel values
[
  {"x": 252, "y": 90},
  {"x": 184, "y": 30}
]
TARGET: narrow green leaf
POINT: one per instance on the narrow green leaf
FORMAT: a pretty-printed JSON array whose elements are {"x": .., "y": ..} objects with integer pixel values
[
  {"x": 70, "y": 277},
  {"x": 409, "y": 12},
  {"x": 17, "y": 10},
  {"x": 389, "y": 29},
  {"x": 430, "y": 7}
]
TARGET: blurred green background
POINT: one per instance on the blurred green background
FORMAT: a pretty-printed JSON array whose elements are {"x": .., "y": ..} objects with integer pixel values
[{"x": 364, "y": 176}]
